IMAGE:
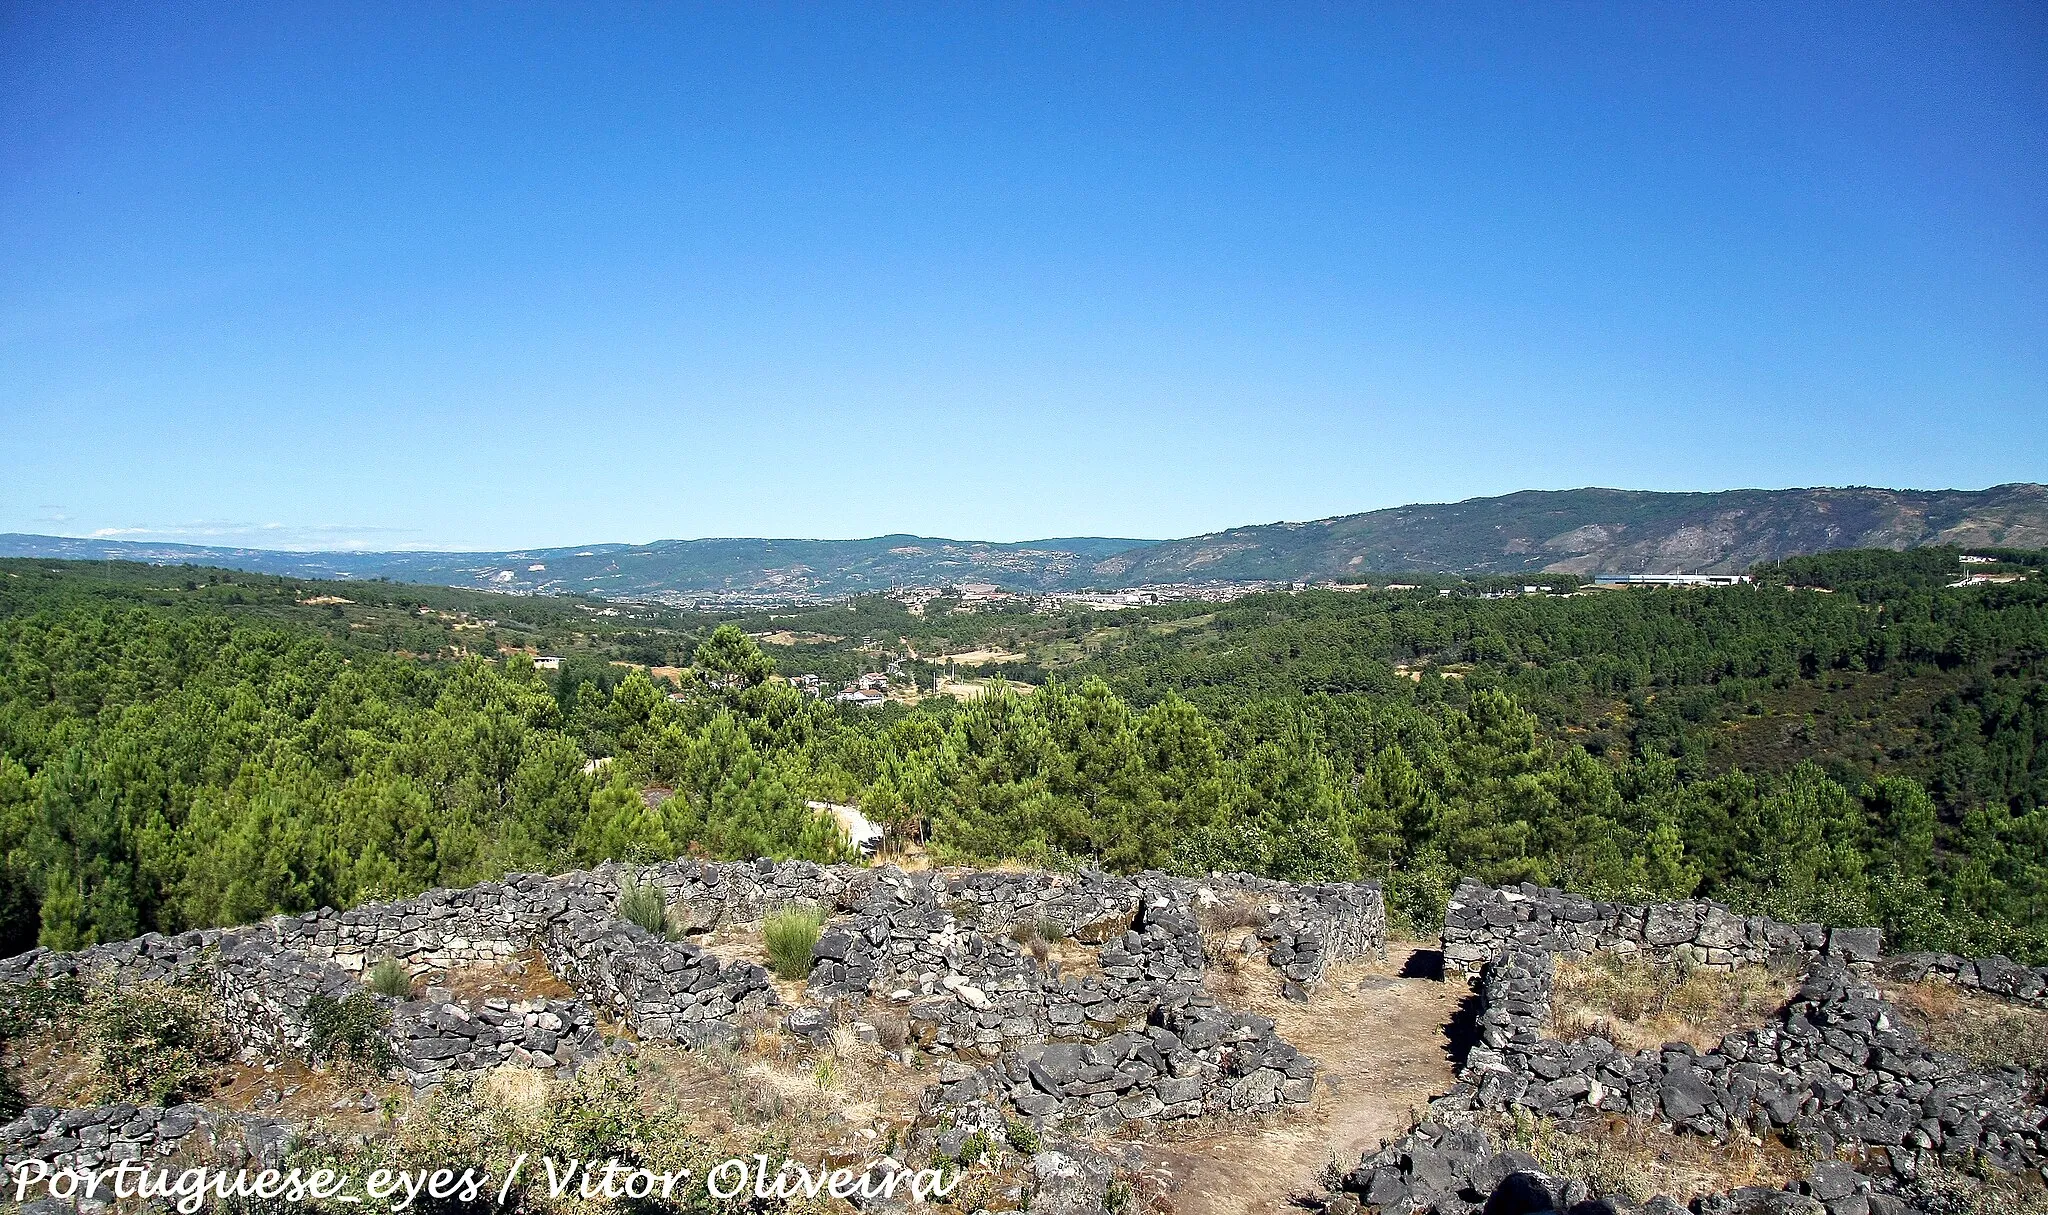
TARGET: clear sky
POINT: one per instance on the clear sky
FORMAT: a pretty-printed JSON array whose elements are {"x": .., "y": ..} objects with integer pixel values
[{"x": 479, "y": 276}]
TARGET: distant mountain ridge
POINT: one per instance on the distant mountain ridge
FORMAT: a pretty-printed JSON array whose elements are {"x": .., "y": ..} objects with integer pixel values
[
  {"x": 795, "y": 568},
  {"x": 1596, "y": 531},
  {"x": 1581, "y": 531}
]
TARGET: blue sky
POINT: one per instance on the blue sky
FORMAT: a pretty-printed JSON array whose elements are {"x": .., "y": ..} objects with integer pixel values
[{"x": 491, "y": 276}]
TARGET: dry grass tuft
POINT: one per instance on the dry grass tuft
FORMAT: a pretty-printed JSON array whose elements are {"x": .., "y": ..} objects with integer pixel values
[
  {"x": 1986, "y": 1031},
  {"x": 1233, "y": 913},
  {"x": 1641, "y": 1005}
]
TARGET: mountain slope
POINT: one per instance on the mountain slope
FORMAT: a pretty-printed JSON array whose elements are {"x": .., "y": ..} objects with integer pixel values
[
  {"x": 1581, "y": 531},
  {"x": 1586, "y": 531},
  {"x": 675, "y": 567}
]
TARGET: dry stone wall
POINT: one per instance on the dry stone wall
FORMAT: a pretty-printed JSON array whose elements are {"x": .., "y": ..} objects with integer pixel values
[
  {"x": 432, "y": 1038},
  {"x": 1998, "y": 976},
  {"x": 1141, "y": 1040},
  {"x": 1452, "y": 1170},
  {"x": 1482, "y": 921},
  {"x": 104, "y": 1135},
  {"x": 1836, "y": 1068},
  {"x": 1193, "y": 1058},
  {"x": 667, "y": 990},
  {"x": 1135, "y": 1038}
]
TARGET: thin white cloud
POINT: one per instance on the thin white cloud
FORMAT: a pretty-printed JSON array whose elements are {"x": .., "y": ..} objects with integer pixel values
[{"x": 326, "y": 537}]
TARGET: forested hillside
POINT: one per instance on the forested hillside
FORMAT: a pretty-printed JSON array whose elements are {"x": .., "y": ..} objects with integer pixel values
[
  {"x": 1853, "y": 742},
  {"x": 1574, "y": 531}
]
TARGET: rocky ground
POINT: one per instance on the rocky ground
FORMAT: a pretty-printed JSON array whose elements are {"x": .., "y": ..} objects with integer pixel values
[{"x": 1075, "y": 1043}]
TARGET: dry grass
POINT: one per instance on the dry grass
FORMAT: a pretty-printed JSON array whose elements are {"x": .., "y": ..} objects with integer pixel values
[
  {"x": 1642, "y": 1005},
  {"x": 1235, "y": 969},
  {"x": 1957, "y": 1192},
  {"x": 52, "y": 1069},
  {"x": 1986, "y": 1031},
  {"x": 1231, "y": 914},
  {"x": 1625, "y": 1156},
  {"x": 1049, "y": 943},
  {"x": 850, "y": 1100}
]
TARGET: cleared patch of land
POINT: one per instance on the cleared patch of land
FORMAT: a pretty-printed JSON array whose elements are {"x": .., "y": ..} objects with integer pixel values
[
  {"x": 1382, "y": 1035},
  {"x": 968, "y": 689},
  {"x": 977, "y": 658}
]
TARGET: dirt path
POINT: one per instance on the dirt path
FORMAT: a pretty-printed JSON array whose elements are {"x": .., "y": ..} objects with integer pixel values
[{"x": 1381, "y": 1036}]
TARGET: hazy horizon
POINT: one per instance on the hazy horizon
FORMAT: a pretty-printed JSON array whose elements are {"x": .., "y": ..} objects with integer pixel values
[{"x": 125, "y": 535}]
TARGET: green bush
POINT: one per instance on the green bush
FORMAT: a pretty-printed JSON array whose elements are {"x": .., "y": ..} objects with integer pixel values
[
  {"x": 641, "y": 903},
  {"x": 389, "y": 977},
  {"x": 29, "y": 1008},
  {"x": 149, "y": 1042},
  {"x": 791, "y": 933},
  {"x": 1418, "y": 893},
  {"x": 352, "y": 1036}
]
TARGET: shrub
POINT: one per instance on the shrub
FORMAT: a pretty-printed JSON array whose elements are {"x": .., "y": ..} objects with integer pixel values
[
  {"x": 972, "y": 1150},
  {"x": 352, "y": 1036},
  {"x": 791, "y": 934},
  {"x": 29, "y": 1008},
  {"x": 641, "y": 903},
  {"x": 149, "y": 1042},
  {"x": 1021, "y": 1136},
  {"x": 1234, "y": 913},
  {"x": 390, "y": 978}
]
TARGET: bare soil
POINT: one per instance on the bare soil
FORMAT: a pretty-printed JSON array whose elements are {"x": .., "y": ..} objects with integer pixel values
[
  {"x": 523, "y": 977},
  {"x": 975, "y": 658},
  {"x": 1384, "y": 1036}
]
